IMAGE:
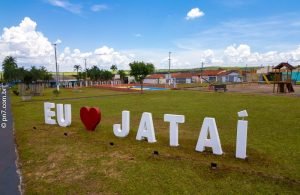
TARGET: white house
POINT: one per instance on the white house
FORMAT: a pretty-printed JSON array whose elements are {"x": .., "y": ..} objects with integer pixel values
[
  {"x": 155, "y": 79},
  {"x": 230, "y": 76},
  {"x": 210, "y": 75}
]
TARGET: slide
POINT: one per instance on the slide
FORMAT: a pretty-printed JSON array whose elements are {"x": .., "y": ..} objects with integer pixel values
[{"x": 266, "y": 79}]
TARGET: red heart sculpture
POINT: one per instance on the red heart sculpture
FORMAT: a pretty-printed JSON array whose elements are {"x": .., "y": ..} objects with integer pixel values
[{"x": 90, "y": 117}]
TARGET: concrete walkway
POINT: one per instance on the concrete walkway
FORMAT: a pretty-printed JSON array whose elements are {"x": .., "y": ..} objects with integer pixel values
[{"x": 9, "y": 178}]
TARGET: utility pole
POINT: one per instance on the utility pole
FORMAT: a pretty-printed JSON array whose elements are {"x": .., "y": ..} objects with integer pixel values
[
  {"x": 169, "y": 68},
  {"x": 85, "y": 72},
  {"x": 56, "y": 66},
  {"x": 202, "y": 64}
]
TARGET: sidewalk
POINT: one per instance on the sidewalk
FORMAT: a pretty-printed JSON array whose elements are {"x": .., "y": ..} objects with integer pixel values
[{"x": 9, "y": 179}]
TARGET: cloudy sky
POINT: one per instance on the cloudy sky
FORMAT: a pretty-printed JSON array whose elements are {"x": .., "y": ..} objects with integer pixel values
[{"x": 216, "y": 32}]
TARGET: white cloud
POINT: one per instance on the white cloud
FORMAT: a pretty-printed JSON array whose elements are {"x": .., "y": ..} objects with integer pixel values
[
  {"x": 65, "y": 4},
  {"x": 24, "y": 42},
  {"x": 237, "y": 54},
  {"x": 264, "y": 34},
  {"x": 233, "y": 55},
  {"x": 103, "y": 57},
  {"x": 241, "y": 55},
  {"x": 194, "y": 13},
  {"x": 58, "y": 41},
  {"x": 31, "y": 47},
  {"x": 99, "y": 7}
]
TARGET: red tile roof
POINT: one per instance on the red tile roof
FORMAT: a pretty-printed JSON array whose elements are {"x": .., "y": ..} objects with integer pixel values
[
  {"x": 155, "y": 76},
  {"x": 211, "y": 72},
  {"x": 183, "y": 75}
]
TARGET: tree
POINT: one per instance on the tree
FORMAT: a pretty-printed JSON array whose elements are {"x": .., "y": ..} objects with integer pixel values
[
  {"x": 93, "y": 73},
  {"x": 107, "y": 75},
  {"x": 28, "y": 77},
  {"x": 140, "y": 70},
  {"x": 113, "y": 68},
  {"x": 82, "y": 75},
  {"x": 77, "y": 68},
  {"x": 35, "y": 73},
  {"x": 122, "y": 74},
  {"x": 45, "y": 75},
  {"x": 9, "y": 67}
]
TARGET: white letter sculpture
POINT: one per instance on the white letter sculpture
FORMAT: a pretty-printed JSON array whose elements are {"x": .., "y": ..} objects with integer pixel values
[
  {"x": 48, "y": 113},
  {"x": 125, "y": 125},
  {"x": 209, "y": 126},
  {"x": 241, "y": 136},
  {"x": 61, "y": 111},
  {"x": 146, "y": 128},
  {"x": 174, "y": 121}
]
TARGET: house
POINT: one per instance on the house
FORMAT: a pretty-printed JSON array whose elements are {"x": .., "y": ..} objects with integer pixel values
[
  {"x": 175, "y": 77},
  {"x": 231, "y": 76},
  {"x": 184, "y": 77},
  {"x": 210, "y": 76},
  {"x": 155, "y": 79}
]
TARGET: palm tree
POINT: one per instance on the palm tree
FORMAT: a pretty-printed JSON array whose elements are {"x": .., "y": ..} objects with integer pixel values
[
  {"x": 77, "y": 68},
  {"x": 9, "y": 67},
  {"x": 113, "y": 69}
]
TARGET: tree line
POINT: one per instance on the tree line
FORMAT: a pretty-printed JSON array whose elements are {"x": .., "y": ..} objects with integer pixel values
[
  {"x": 13, "y": 73},
  {"x": 96, "y": 74}
]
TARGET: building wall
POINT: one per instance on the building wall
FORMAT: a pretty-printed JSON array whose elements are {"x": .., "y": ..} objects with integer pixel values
[
  {"x": 232, "y": 77},
  {"x": 180, "y": 80},
  {"x": 195, "y": 79},
  {"x": 162, "y": 81},
  {"x": 212, "y": 79},
  {"x": 151, "y": 81}
]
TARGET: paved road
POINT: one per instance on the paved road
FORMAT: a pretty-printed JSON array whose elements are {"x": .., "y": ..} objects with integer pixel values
[{"x": 9, "y": 179}]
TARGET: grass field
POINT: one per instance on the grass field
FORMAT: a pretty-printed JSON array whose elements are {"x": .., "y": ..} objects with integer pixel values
[{"x": 85, "y": 162}]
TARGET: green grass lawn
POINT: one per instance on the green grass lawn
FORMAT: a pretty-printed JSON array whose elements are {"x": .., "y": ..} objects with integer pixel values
[{"x": 85, "y": 162}]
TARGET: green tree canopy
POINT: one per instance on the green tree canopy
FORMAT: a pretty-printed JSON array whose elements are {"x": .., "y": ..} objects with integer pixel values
[
  {"x": 9, "y": 67},
  {"x": 140, "y": 70},
  {"x": 122, "y": 74},
  {"x": 107, "y": 75},
  {"x": 12, "y": 73},
  {"x": 113, "y": 68},
  {"x": 93, "y": 73}
]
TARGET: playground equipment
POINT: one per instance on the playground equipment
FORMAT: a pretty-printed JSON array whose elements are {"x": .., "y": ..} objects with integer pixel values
[
  {"x": 297, "y": 78},
  {"x": 283, "y": 82},
  {"x": 266, "y": 79}
]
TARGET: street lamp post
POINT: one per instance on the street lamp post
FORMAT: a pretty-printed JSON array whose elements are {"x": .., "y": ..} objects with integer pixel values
[
  {"x": 56, "y": 67},
  {"x": 202, "y": 64},
  {"x": 85, "y": 72},
  {"x": 169, "y": 68}
]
